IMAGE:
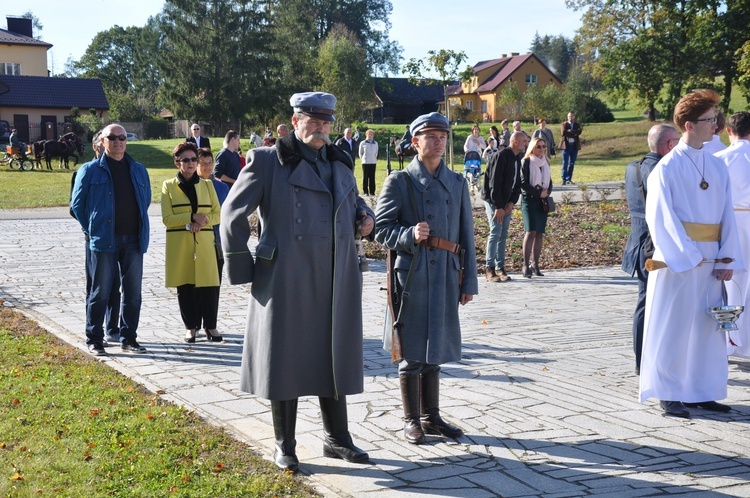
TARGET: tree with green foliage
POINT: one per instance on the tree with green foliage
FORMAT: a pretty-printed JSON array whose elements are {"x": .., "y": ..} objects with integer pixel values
[
  {"x": 216, "y": 68},
  {"x": 344, "y": 71},
  {"x": 558, "y": 53},
  {"x": 510, "y": 101},
  {"x": 440, "y": 67},
  {"x": 116, "y": 57}
]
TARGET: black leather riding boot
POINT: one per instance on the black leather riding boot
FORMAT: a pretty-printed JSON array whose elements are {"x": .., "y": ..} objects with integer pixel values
[
  {"x": 338, "y": 442},
  {"x": 284, "y": 415},
  {"x": 413, "y": 432},
  {"x": 432, "y": 423}
]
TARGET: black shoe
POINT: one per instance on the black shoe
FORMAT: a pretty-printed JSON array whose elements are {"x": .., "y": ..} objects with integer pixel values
[
  {"x": 130, "y": 346},
  {"x": 526, "y": 271},
  {"x": 711, "y": 406},
  {"x": 535, "y": 270},
  {"x": 674, "y": 408},
  {"x": 97, "y": 349},
  {"x": 213, "y": 336},
  {"x": 343, "y": 447},
  {"x": 190, "y": 336}
]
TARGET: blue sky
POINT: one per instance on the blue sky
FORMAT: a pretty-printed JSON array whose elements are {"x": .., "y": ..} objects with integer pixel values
[{"x": 487, "y": 30}]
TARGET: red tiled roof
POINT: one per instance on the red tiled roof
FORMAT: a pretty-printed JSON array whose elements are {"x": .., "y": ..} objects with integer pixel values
[{"x": 503, "y": 72}]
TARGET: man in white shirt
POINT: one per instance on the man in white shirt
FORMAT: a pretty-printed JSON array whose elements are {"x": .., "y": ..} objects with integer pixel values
[
  {"x": 737, "y": 159},
  {"x": 199, "y": 140},
  {"x": 715, "y": 144},
  {"x": 691, "y": 221}
]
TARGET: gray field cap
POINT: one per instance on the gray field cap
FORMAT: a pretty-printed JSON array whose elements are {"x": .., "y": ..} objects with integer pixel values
[
  {"x": 431, "y": 121},
  {"x": 319, "y": 105}
]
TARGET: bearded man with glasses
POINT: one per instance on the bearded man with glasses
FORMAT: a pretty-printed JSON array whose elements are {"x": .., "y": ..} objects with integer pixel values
[{"x": 110, "y": 200}]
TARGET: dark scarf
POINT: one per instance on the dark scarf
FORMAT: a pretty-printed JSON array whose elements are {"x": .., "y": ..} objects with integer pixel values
[
  {"x": 187, "y": 185},
  {"x": 287, "y": 150}
]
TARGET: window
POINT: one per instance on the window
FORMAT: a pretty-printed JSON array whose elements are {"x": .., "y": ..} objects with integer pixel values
[
  {"x": 531, "y": 79},
  {"x": 10, "y": 68},
  {"x": 470, "y": 105},
  {"x": 484, "y": 106}
]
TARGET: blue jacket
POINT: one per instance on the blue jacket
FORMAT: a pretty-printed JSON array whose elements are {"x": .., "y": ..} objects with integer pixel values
[{"x": 93, "y": 202}]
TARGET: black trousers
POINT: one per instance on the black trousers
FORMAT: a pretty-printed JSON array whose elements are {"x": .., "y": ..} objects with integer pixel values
[
  {"x": 198, "y": 305},
  {"x": 368, "y": 183}
]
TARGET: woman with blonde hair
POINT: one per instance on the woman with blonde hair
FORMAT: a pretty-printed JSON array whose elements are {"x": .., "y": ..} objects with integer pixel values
[{"x": 536, "y": 183}]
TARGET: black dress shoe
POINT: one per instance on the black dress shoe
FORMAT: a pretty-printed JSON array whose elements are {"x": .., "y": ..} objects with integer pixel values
[
  {"x": 711, "y": 406},
  {"x": 674, "y": 408}
]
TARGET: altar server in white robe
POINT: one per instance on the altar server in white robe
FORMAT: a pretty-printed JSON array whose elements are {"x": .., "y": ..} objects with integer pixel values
[
  {"x": 737, "y": 159},
  {"x": 690, "y": 217}
]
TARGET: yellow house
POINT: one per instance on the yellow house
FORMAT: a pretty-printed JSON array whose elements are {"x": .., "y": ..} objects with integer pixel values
[
  {"x": 480, "y": 94},
  {"x": 20, "y": 53},
  {"x": 31, "y": 101}
]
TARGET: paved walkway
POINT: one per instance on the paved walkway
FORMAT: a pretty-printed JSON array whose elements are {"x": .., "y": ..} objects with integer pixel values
[{"x": 545, "y": 392}]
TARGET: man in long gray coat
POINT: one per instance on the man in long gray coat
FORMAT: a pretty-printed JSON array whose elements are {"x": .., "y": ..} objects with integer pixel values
[
  {"x": 440, "y": 236},
  {"x": 304, "y": 326}
]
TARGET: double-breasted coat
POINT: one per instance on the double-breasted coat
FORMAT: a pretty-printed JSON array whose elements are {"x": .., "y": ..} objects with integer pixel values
[
  {"x": 304, "y": 325},
  {"x": 431, "y": 333},
  {"x": 190, "y": 258}
]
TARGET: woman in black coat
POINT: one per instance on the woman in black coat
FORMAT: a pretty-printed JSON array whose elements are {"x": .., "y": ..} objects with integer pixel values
[{"x": 536, "y": 183}]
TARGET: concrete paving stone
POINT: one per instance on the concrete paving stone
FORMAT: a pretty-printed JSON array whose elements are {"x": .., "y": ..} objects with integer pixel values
[
  {"x": 541, "y": 482},
  {"x": 243, "y": 406},
  {"x": 502, "y": 484},
  {"x": 621, "y": 492},
  {"x": 204, "y": 394}
]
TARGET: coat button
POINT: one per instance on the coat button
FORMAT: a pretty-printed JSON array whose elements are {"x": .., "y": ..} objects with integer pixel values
[
  {"x": 428, "y": 201},
  {"x": 298, "y": 220},
  {"x": 432, "y": 262},
  {"x": 299, "y": 204},
  {"x": 299, "y": 237},
  {"x": 429, "y": 216}
]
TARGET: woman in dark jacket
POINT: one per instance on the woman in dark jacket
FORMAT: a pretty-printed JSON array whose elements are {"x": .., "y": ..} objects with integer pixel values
[{"x": 536, "y": 184}]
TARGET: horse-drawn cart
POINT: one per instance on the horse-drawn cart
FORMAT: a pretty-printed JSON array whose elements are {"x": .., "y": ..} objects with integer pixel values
[{"x": 16, "y": 160}]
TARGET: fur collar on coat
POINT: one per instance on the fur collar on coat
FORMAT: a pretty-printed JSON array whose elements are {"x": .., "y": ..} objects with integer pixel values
[{"x": 289, "y": 154}]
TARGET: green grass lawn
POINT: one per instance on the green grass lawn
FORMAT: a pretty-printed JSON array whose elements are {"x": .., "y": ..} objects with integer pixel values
[
  {"x": 607, "y": 148},
  {"x": 72, "y": 426}
]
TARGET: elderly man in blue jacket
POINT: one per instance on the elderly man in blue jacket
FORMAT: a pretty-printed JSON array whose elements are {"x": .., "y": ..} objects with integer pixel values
[{"x": 110, "y": 200}]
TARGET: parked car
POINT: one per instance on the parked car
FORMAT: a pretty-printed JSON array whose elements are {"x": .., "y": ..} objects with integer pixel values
[
  {"x": 132, "y": 137},
  {"x": 5, "y": 129}
]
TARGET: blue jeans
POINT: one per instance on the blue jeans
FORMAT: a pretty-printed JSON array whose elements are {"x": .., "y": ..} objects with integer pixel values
[
  {"x": 112, "y": 315},
  {"x": 570, "y": 154},
  {"x": 105, "y": 268},
  {"x": 497, "y": 238}
]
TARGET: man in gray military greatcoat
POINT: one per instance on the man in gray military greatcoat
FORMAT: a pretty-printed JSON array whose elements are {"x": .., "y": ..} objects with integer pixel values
[
  {"x": 440, "y": 235},
  {"x": 304, "y": 326}
]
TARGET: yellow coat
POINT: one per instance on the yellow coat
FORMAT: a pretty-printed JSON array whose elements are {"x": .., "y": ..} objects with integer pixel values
[{"x": 190, "y": 258}]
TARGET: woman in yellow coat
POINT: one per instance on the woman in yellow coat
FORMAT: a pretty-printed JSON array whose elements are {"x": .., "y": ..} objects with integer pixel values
[{"x": 190, "y": 209}]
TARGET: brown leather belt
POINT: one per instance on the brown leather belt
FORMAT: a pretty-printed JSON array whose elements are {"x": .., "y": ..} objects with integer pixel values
[{"x": 439, "y": 243}]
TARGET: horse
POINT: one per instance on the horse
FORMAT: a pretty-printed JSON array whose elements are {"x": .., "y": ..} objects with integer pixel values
[
  {"x": 37, "y": 149},
  {"x": 408, "y": 151},
  {"x": 68, "y": 145},
  {"x": 256, "y": 140}
]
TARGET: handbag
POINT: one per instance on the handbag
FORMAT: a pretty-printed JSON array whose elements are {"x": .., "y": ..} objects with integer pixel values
[{"x": 548, "y": 204}]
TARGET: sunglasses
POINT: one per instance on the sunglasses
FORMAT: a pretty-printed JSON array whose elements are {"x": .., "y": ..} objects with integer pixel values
[
  {"x": 187, "y": 160},
  {"x": 121, "y": 138},
  {"x": 540, "y": 146}
]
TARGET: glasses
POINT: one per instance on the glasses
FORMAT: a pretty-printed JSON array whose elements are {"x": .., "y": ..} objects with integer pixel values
[
  {"x": 710, "y": 120},
  {"x": 121, "y": 138},
  {"x": 187, "y": 160},
  {"x": 196, "y": 129},
  {"x": 541, "y": 146}
]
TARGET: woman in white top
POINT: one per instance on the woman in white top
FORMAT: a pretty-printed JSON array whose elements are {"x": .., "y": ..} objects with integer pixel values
[{"x": 474, "y": 142}]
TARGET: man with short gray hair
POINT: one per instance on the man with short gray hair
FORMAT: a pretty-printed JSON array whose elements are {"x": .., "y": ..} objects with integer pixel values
[
  {"x": 110, "y": 200},
  {"x": 199, "y": 140},
  {"x": 661, "y": 139}
]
